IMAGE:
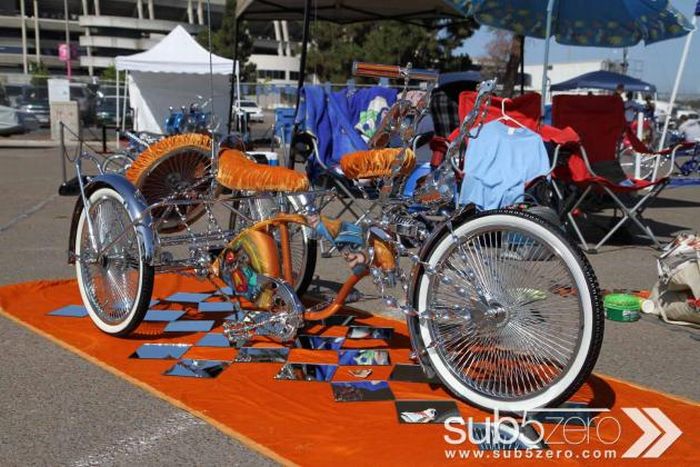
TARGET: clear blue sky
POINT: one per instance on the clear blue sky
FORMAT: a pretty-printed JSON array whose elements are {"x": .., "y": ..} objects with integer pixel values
[{"x": 660, "y": 60}]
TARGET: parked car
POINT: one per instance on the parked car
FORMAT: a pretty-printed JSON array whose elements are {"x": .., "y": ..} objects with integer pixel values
[
  {"x": 87, "y": 102},
  {"x": 35, "y": 103},
  {"x": 13, "y": 94},
  {"x": 255, "y": 113},
  {"x": 106, "y": 111},
  {"x": 690, "y": 114},
  {"x": 10, "y": 121}
]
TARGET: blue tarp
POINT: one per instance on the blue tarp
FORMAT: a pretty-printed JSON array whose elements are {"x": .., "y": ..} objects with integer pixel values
[{"x": 604, "y": 80}]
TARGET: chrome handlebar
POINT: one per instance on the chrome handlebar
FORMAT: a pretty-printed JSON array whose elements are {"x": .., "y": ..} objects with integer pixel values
[{"x": 484, "y": 94}]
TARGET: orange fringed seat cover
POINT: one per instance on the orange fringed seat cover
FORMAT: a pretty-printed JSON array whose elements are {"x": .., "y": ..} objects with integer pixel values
[
  {"x": 151, "y": 155},
  {"x": 237, "y": 172},
  {"x": 375, "y": 163}
]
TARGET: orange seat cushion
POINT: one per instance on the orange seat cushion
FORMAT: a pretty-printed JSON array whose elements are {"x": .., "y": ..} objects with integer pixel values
[
  {"x": 237, "y": 172},
  {"x": 375, "y": 163}
]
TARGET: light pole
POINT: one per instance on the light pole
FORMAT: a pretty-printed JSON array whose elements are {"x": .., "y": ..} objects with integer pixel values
[
  {"x": 23, "y": 13},
  {"x": 68, "y": 60}
]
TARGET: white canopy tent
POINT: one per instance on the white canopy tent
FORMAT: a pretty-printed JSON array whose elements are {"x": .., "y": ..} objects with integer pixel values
[{"x": 173, "y": 73}]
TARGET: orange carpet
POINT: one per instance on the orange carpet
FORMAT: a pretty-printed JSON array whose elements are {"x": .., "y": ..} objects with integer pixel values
[{"x": 299, "y": 422}]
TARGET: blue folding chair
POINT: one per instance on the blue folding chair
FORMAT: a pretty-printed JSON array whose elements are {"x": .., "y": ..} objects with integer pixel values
[
  {"x": 284, "y": 123},
  {"x": 329, "y": 125}
]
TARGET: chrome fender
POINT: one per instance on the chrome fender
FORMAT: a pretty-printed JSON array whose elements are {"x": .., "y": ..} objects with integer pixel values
[{"x": 133, "y": 202}]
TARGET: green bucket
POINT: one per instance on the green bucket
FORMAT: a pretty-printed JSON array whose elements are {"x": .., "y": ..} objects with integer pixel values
[{"x": 622, "y": 307}]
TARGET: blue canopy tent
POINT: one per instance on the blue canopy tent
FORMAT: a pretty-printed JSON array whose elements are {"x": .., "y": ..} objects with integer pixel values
[{"x": 604, "y": 80}]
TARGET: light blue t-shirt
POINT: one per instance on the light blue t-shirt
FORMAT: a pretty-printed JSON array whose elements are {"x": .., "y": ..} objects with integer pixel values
[{"x": 499, "y": 163}]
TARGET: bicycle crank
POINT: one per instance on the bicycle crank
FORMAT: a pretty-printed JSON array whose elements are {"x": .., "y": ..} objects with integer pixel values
[{"x": 280, "y": 322}]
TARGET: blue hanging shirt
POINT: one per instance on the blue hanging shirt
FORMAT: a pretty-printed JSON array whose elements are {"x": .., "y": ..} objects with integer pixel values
[{"x": 499, "y": 163}]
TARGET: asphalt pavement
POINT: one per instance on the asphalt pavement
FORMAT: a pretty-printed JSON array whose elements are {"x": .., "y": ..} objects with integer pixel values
[{"x": 58, "y": 409}]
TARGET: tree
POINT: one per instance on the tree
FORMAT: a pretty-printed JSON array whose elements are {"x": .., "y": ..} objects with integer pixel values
[
  {"x": 503, "y": 59},
  {"x": 39, "y": 72},
  {"x": 224, "y": 39},
  {"x": 334, "y": 47},
  {"x": 109, "y": 73},
  {"x": 510, "y": 76},
  {"x": 451, "y": 38},
  {"x": 493, "y": 64}
]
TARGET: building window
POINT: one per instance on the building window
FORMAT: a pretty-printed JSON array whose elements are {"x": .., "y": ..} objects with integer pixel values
[
  {"x": 270, "y": 74},
  {"x": 294, "y": 75}
]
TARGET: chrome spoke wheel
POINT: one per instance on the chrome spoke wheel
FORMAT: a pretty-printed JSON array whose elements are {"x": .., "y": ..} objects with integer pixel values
[
  {"x": 509, "y": 314},
  {"x": 110, "y": 269}
]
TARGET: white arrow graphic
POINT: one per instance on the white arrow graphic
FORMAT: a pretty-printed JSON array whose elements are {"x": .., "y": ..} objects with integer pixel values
[
  {"x": 648, "y": 437},
  {"x": 671, "y": 435}
]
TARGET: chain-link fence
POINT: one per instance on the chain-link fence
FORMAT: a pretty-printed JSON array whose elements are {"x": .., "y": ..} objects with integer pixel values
[{"x": 97, "y": 101}]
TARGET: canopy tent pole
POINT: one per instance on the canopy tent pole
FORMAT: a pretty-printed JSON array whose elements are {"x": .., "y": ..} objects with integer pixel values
[
  {"x": 126, "y": 96},
  {"x": 548, "y": 33},
  {"x": 302, "y": 76},
  {"x": 676, "y": 84},
  {"x": 304, "y": 47},
  {"x": 118, "y": 115},
  {"x": 237, "y": 77},
  {"x": 522, "y": 65},
  {"x": 233, "y": 75}
]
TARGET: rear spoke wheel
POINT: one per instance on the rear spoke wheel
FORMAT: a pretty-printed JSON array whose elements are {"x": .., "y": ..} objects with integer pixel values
[{"x": 114, "y": 281}]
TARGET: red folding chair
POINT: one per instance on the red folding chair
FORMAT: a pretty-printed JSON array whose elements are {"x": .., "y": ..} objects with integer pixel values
[
  {"x": 593, "y": 164},
  {"x": 526, "y": 110}
]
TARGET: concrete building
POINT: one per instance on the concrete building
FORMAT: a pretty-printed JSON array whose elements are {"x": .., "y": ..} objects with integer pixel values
[
  {"x": 273, "y": 54},
  {"x": 31, "y": 31}
]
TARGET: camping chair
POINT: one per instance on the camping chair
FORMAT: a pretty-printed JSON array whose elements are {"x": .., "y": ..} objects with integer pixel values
[
  {"x": 593, "y": 164},
  {"x": 333, "y": 125},
  {"x": 526, "y": 110},
  {"x": 282, "y": 129},
  {"x": 325, "y": 129},
  {"x": 444, "y": 108}
]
